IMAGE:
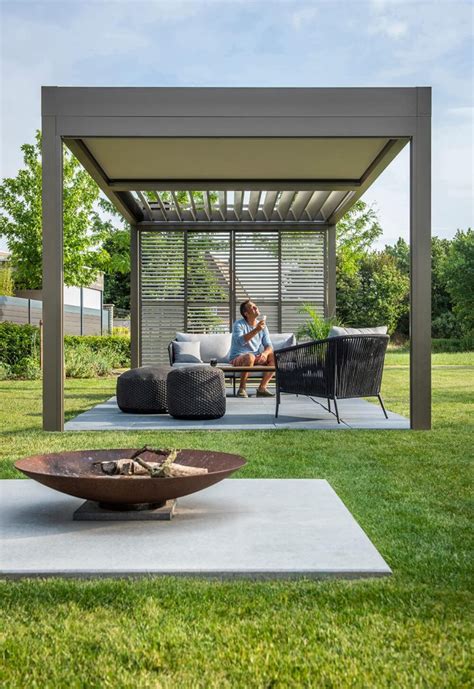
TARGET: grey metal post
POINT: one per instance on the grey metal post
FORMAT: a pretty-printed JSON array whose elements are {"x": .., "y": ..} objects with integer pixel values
[
  {"x": 420, "y": 274},
  {"x": 331, "y": 271},
  {"x": 53, "y": 297},
  {"x": 135, "y": 324}
]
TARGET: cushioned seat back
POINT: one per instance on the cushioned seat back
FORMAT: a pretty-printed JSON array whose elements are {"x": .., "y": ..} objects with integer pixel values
[{"x": 213, "y": 346}]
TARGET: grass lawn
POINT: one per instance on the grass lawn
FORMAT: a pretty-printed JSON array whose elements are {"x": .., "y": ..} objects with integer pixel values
[{"x": 410, "y": 491}]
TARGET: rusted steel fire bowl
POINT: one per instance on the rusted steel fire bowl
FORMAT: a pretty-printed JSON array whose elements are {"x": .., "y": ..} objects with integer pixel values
[{"x": 76, "y": 473}]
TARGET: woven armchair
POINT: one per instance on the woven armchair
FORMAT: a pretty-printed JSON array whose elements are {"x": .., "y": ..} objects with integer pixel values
[{"x": 336, "y": 368}]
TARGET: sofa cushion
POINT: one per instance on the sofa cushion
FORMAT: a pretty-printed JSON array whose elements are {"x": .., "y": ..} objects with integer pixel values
[
  {"x": 213, "y": 346},
  {"x": 178, "y": 364},
  {"x": 187, "y": 352},
  {"x": 338, "y": 331},
  {"x": 282, "y": 340}
]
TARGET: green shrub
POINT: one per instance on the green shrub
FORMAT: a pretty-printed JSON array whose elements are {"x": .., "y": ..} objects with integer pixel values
[
  {"x": 17, "y": 342},
  {"x": 5, "y": 371},
  {"x": 121, "y": 331},
  {"x": 445, "y": 326},
  {"x": 28, "y": 368},
  {"x": 82, "y": 362},
  {"x": 467, "y": 342},
  {"x": 114, "y": 348},
  {"x": 464, "y": 344}
]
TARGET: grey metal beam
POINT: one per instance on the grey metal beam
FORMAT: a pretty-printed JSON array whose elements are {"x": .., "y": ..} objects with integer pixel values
[
  {"x": 122, "y": 199},
  {"x": 231, "y": 225},
  {"x": 215, "y": 126},
  {"x": 53, "y": 277},
  {"x": 420, "y": 276},
  {"x": 135, "y": 325},
  {"x": 237, "y": 184},
  {"x": 331, "y": 271},
  {"x": 178, "y": 102}
]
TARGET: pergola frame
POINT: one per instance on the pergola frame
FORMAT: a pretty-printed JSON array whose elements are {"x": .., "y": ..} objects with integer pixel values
[{"x": 400, "y": 115}]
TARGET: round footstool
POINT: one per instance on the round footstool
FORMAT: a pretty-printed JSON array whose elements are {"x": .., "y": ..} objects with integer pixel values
[
  {"x": 143, "y": 390},
  {"x": 196, "y": 392}
]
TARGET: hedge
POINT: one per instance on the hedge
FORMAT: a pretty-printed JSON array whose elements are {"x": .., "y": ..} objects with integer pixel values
[
  {"x": 18, "y": 342},
  {"x": 115, "y": 347}
]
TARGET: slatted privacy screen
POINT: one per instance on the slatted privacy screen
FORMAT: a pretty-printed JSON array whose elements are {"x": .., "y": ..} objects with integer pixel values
[{"x": 194, "y": 281}]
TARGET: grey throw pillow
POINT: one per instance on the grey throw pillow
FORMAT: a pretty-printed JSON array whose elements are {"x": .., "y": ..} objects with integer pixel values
[
  {"x": 338, "y": 331},
  {"x": 282, "y": 340},
  {"x": 187, "y": 352}
]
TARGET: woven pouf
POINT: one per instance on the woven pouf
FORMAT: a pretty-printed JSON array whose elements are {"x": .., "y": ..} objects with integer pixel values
[
  {"x": 196, "y": 392},
  {"x": 143, "y": 390}
]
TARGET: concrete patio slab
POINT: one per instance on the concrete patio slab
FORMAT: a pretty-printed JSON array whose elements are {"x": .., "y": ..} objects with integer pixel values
[
  {"x": 299, "y": 413},
  {"x": 238, "y": 528}
]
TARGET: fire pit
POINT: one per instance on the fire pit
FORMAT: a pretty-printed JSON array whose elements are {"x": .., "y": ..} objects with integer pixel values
[{"x": 81, "y": 474}]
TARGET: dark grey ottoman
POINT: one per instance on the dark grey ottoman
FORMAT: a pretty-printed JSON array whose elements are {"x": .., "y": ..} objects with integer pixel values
[
  {"x": 143, "y": 390},
  {"x": 197, "y": 392}
]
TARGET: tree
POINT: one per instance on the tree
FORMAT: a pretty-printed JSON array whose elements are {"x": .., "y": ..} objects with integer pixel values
[
  {"x": 459, "y": 275},
  {"x": 373, "y": 295},
  {"x": 400, "y": 252},
  {"x": 21, "y": 221},
  {"x": 355, "y": 234},
  {"x": 6, "y": 280}
]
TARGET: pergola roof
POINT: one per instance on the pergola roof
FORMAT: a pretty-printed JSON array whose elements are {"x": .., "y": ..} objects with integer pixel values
[{"x": 264, "y": 179}]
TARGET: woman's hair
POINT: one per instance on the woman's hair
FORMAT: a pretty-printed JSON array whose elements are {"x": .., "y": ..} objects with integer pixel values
[{"x": 243, "y": 307}]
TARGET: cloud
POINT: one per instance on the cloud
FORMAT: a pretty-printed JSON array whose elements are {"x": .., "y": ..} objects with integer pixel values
[
  {"x": 300, "y": 18},
  {"x": 384, "y": 26}
]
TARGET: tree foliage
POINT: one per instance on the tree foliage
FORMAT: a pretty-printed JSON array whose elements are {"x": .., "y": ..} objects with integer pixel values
[
  {"x": 374, "y": 295},
  {"x": 459, "y": 276},
  {"x": 355, "y": 235},
  {"x": 21, "y": 221}
]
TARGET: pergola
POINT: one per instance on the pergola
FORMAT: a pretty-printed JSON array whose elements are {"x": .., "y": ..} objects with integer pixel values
[{"x": 266, "y": 160}]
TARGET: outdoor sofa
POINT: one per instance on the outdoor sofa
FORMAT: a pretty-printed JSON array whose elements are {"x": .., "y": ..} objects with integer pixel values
[
  {"x": 343, "y": 366},
  {"x": 183, "y": 351}
]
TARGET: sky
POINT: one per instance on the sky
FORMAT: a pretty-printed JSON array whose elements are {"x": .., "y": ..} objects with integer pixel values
[{"x": 257, "y": 43}]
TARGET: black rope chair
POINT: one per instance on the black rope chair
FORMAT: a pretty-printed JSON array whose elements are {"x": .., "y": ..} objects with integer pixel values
[{"x": 336, "y": 368}]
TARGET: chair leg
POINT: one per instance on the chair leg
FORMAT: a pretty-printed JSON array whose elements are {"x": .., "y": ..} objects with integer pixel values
[
  {"x": 329, "y": 405},
  {"x": 382, "y": 405},
  {"x": 277, "y": 402},
  {"x": 233, "y": 382},
  {"x": 337, "y": 410}
]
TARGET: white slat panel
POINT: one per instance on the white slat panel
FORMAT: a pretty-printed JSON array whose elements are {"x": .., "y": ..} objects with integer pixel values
[
  {"x": 197, "y": 296},
  {"x": 302, "y": 276}
]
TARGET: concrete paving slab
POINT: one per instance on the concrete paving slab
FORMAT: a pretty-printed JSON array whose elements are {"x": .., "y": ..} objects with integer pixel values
[
  {"x": 303, "y": 413},
  {"x": 261, "y": 528}
]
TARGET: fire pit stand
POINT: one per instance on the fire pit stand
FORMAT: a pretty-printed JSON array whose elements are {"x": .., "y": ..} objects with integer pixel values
[{"x": 91, "y": 511}]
